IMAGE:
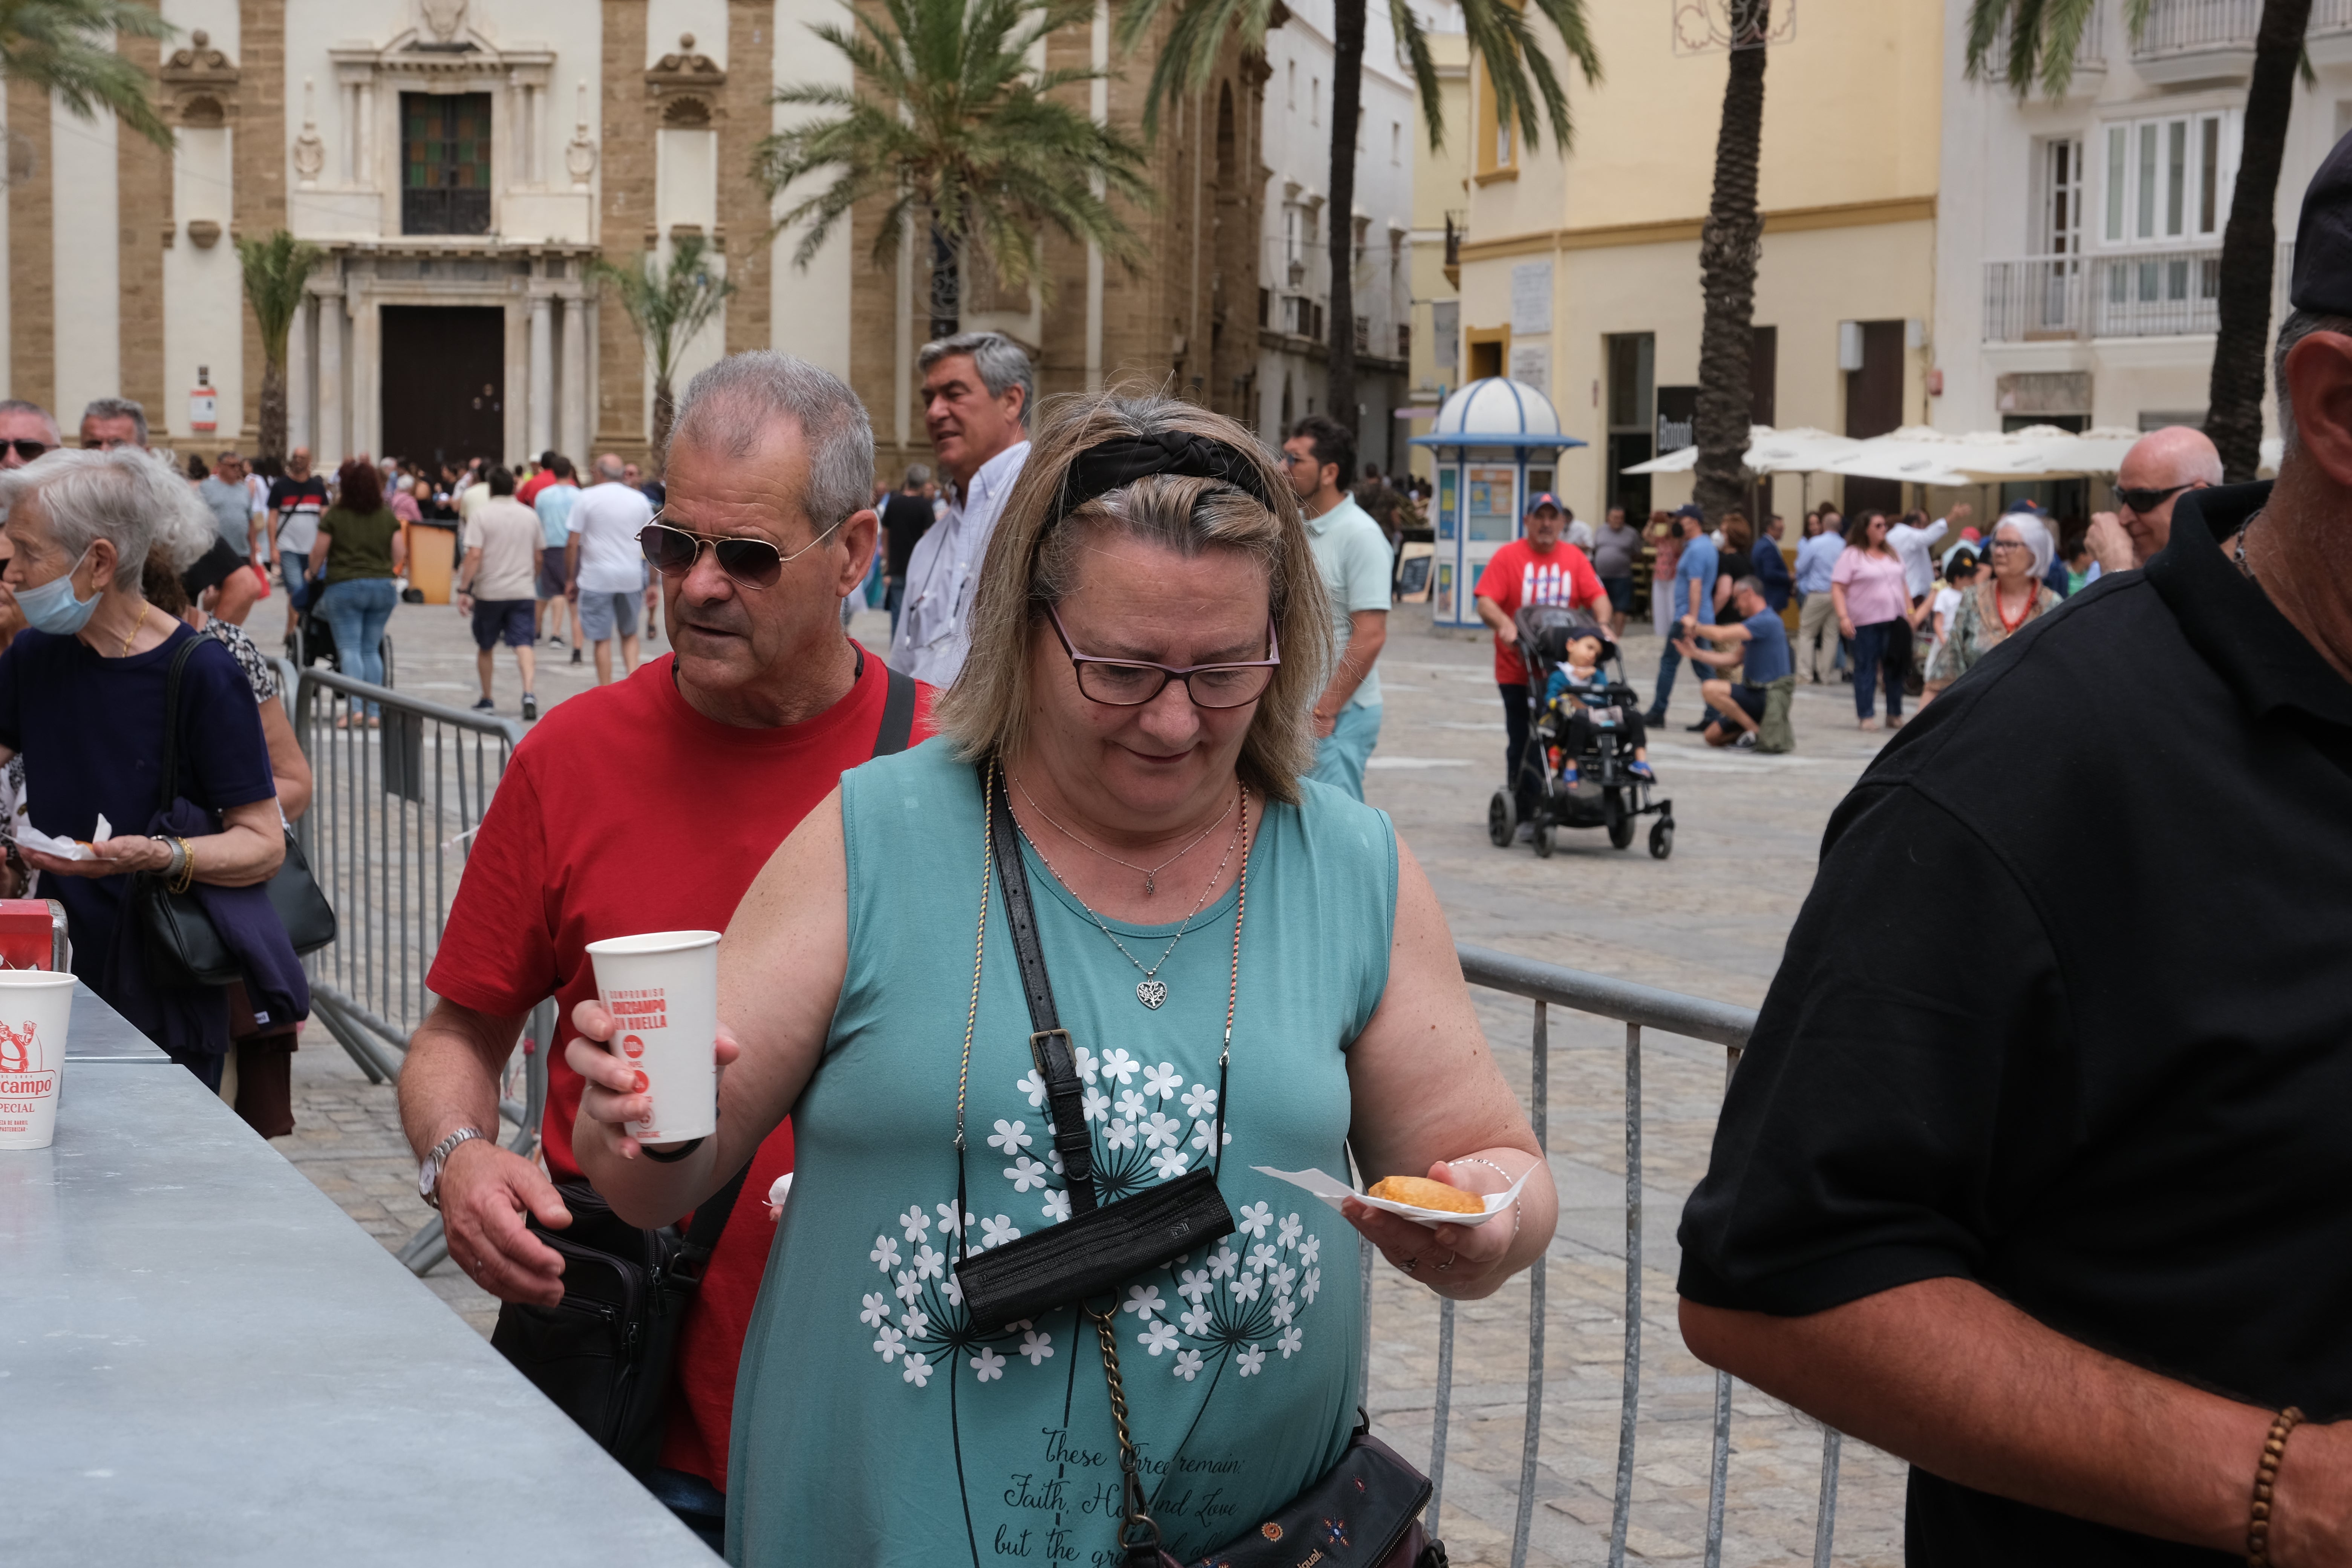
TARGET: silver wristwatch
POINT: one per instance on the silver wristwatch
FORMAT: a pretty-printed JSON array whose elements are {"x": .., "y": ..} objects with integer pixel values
[{"x": 428, "y": 1173}]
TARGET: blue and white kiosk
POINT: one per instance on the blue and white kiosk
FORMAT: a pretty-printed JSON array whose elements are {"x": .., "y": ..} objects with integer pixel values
[{"x": 1496, "y": 442}]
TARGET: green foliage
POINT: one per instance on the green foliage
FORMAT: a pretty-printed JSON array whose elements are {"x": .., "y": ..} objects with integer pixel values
[
  {"x": 954, "y": 127},
  {"x": 2026, "y": 41},
  {"x": 669, "y": 306},
  {"x": 67, "y": 47},
  {"x": 1501, "y": 34},
  {"x": 275, "y": 269}
]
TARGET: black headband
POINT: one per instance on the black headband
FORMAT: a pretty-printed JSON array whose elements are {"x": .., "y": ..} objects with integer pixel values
[{"x": 1123, "y": 460}]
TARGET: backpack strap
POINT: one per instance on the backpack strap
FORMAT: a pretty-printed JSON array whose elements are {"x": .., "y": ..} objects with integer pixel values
[{"x": 897, "y": 714}]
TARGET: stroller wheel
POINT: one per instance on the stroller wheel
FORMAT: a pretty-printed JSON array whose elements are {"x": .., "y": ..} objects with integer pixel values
[
  {"x": 1502, "y": 819},
  {"x": 1615, "y": 810},
  {"x": 1543, "y": 839},
  {"x": 1661, "y": 839}
]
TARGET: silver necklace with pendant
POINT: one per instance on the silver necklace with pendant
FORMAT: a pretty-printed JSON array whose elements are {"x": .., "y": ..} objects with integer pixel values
[
  {"x": 1152, "y": 990},
  {"x": 1151, "y": 873}
]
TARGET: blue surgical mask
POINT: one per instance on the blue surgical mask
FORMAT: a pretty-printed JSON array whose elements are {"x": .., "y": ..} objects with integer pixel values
[{"x": 52, "y": 607}]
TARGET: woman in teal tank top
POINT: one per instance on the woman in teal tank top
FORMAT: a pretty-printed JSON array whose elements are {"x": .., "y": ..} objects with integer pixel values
[{"x": 1148, "y": 641}]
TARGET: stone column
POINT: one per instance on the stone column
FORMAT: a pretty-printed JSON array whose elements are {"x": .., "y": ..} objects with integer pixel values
[
  {"x": 327, "y": 449},
  {"x": 574, "y": 440},
  {"x": 298, "y": 379},
  {"x": 366, "y": 369},
  {"x": 542, "y": 413}
]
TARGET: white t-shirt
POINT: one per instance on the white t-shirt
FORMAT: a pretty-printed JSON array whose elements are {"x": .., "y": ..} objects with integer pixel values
[
  {"x": 606, "y": 520},
  {"x": 1947, "y": 604}
]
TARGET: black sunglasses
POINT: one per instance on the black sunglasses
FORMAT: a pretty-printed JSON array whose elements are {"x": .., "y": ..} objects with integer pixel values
[
  {"x": 28, "y": 450},
  {"x": 2144, "y": 501},
  {"x": 753, "y": 563}
]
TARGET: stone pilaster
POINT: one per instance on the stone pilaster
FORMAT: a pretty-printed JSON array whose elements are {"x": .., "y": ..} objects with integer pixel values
[
  {"x": 625, "y": 213},
  {"x": 742, "y": 208},
  {"x": 32, "y": 269},
  {"x": 259, "y": 198},
  {"x": 144, "y": 209}
]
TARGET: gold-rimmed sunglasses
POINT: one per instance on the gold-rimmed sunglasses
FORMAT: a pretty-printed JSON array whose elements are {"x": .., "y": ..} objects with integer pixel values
[{"x": 753, "y": 563}]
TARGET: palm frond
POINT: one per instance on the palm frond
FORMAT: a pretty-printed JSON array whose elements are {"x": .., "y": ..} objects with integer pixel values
[
  {"x": 276, "y": 268},
  {"x": 66, "y": 48},
  {"x": 953, "y": 124},
  {"x": 1414, "y": 40},
  {"x": 667, "y": 305},
  {"x": 2036, "y": 42}
]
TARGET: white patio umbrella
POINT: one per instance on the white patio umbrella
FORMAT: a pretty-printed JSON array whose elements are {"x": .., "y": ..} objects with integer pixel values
[{"x": 1802, "y": 451}]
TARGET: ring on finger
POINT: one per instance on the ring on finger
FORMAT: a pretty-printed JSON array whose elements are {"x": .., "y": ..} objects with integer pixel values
[
  {"x": 1448, "y": 1263},
  {"x": 1409, "y": 1264}
]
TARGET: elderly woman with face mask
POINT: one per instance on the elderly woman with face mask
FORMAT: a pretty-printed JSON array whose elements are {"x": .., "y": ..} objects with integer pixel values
[
  {"x": 82, "y": 697},
  {"x": 1251, "y": 975}
]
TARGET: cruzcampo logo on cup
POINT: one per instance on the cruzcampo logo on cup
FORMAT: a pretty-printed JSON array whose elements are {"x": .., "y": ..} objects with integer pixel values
[
  {"x": 36, "y": 1006},
  {"x": 662, "y": 989}
]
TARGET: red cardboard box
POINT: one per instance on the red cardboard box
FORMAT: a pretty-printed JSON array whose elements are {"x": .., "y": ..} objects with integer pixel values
[{"x": 32, "y": 933}]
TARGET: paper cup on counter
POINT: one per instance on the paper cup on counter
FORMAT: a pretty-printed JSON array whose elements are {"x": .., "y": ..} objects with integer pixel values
[
  {"x": 662, "y": 989},
  {"x": 36, "y": 1006}
]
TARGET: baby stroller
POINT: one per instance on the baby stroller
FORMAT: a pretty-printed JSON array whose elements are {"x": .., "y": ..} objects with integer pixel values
[{"x": 1608, "y": 792}]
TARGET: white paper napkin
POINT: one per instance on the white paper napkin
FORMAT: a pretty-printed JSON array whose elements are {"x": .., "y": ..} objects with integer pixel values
[{"x": 1331, "y": 1191}]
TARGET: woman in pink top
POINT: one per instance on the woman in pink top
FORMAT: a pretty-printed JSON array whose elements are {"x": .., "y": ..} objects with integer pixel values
[{"x": 1874, "y": 607}]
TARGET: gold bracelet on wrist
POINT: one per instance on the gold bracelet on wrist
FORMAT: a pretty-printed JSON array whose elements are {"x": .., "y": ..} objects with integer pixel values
[
  {"x": 187, "y": 865},
  {"x": 2258, "y": 1524}
]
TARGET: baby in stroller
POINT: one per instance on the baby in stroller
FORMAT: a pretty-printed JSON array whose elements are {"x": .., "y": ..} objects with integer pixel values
[{"x": 1579, "y": 687}]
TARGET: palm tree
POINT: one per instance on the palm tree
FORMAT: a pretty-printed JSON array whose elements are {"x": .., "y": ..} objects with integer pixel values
[
  {"x": 2041, "y": 38},
  {"x": 1500, "y": 35},
  {"x": 1728, "y": 245},
  {"x": 959, "y": 134},
  {"x": 66, "y": 48},
  {"x": 669, "y": 306},
  {"x": 275, "y": 270}
]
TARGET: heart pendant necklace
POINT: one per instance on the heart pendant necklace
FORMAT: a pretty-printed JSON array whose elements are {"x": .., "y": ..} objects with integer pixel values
[{"x": 1152, "y": 990}]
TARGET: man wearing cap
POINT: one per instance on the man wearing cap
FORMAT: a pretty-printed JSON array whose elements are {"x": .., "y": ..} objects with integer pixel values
[
  {"x": 2062, "y": 1223},
  {"x": 1694, "y": 574},
  {"x": 1539, "y": 569},
  {"x": 2162, "y": 467}
]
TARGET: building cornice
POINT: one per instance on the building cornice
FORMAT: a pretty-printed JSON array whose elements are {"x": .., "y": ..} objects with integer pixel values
[{"x": 1680, "y": 231}]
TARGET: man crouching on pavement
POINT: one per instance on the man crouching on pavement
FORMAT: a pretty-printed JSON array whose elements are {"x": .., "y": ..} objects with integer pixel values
[{"x": 649, "y": 806}]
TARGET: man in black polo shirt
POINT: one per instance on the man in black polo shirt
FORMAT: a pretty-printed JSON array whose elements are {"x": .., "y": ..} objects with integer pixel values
[{"x": 2051, "y": 1191}]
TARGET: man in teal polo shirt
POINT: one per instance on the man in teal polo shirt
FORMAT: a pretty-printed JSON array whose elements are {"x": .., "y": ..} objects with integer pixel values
[{"x": 1353, "y": 555}]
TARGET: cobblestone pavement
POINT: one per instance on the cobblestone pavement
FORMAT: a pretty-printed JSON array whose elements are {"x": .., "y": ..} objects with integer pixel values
[{"x": 1710, "y": 921}]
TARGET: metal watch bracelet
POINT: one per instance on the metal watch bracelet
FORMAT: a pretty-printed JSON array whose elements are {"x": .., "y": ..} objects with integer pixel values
[{"x": 429, "y": 1175}]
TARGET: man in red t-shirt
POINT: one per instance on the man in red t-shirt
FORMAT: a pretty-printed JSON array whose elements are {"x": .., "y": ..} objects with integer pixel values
[
  {"x": 650, "y": 805},
  {"x": 539, "y": 481},
  {"x": 1535, "y": 570}
]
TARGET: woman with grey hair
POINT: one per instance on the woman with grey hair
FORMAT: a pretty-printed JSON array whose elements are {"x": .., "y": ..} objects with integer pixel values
[
  {"x": 1998, "y": 607},
  {"x": 83, "y": 698},
  {"x": 1250, "y": 973}
]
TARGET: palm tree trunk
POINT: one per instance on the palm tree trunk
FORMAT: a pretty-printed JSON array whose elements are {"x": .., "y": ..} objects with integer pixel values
[
  {"x": 664, "y": 410},
  {"x": 947, "y": 284},
  {"x": 272, "y": 438},
  {"x": 1728, "y": 249},
  {"x": 2233, "y": 415},
  {"x": 1346, "y": 108}
]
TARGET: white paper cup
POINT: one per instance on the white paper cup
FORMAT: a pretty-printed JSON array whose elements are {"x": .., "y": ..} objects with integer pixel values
[
  {"x": 35, "y": 1006},
  {"x": 662, "y": 989}
]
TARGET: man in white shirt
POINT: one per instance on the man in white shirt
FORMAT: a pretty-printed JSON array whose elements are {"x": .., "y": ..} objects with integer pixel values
[
  {"x": 1353, "y": 556},
  {"x": 977, "y": 388},
  {"x": 604, "y": 565},
  {"x": 502, "y": 545},
  {"x": 1910, "y": 544}
]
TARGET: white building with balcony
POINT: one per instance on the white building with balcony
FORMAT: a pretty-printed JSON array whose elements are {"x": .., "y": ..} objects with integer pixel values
[
  {"x": 1294, "y": 267},
  {"x": 2079, "y": 241}
]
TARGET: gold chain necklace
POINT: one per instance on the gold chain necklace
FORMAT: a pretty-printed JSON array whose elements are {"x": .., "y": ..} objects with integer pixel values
[
  {"x": 1151, "y": 873},
  {"x": 1152, "y": 990},
  {"x": 124, "y": 651}
]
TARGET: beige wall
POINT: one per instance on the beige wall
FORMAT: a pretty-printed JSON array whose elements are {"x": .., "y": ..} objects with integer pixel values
[{"x": 1441, "y": 184}]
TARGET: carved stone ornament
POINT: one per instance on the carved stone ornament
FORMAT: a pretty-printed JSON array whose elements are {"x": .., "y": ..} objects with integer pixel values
[
  {"x": 310, "y": 152},
  {"x": 198, "y": 65},
  {"x": 686, "y": 75},
  {"x": 204, "y": 233},
  {"x": 580, "y": 154},
  {"x": 443, "y": 18}
]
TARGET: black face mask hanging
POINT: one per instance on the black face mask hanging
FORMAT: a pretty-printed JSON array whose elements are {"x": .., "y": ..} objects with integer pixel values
[{"x": 1099, "y": 1246}]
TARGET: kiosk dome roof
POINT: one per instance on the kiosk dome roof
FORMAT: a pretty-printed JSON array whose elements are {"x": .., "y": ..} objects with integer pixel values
[{"x": 1496, "y": 411}]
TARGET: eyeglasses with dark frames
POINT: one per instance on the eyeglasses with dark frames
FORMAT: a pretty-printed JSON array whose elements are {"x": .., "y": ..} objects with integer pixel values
[
  {"x": 753, "y": 563},
  {"x": 28, "y": 450},
  {"x": 2146, "y": 500},
  {"x": 1133, "y": 682}
]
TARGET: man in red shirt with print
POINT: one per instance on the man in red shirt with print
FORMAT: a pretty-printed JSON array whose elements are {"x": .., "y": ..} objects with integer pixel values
[
  {"x": 1535, "y": 570},
  {"x": 649, "y": 806}
]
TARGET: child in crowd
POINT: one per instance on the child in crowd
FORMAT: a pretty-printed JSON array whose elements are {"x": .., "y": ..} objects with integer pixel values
[
  {"x": 1576, "y": 689},
  {"x": 1960, "y": 575}
]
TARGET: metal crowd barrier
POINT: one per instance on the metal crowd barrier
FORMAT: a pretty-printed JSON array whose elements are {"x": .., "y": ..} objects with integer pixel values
[
  {"x": 396, "y": 803},
  {"x": 1637, "y": 1008}
]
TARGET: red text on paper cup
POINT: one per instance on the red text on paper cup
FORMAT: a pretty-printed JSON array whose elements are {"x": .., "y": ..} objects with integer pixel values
[
  {"x": 648, "y": 1009},
  {"x": 17, "y": 1047},
  {"x": 632, "y": 1047},
  {"x": 26, "y": 1085}
]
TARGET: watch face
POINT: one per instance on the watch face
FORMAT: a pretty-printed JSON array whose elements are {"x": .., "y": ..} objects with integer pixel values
[{"x": 427, "y": 1175}]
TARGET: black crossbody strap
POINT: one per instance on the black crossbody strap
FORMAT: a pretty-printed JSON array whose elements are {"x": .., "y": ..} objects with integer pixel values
[
  {"x": 897, "y": 714},
  {"x": 1049, "y": 1044},
  {"x": 712, "y": 1217},
  {"x": 168, "y": 789}
]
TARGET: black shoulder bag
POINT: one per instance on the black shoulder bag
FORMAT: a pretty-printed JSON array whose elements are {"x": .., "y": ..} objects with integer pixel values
[
  {"x": 181, "y": 940},
  {"x": 603, "y": 1354},
  {"x": 1099, "y": 1248}
]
